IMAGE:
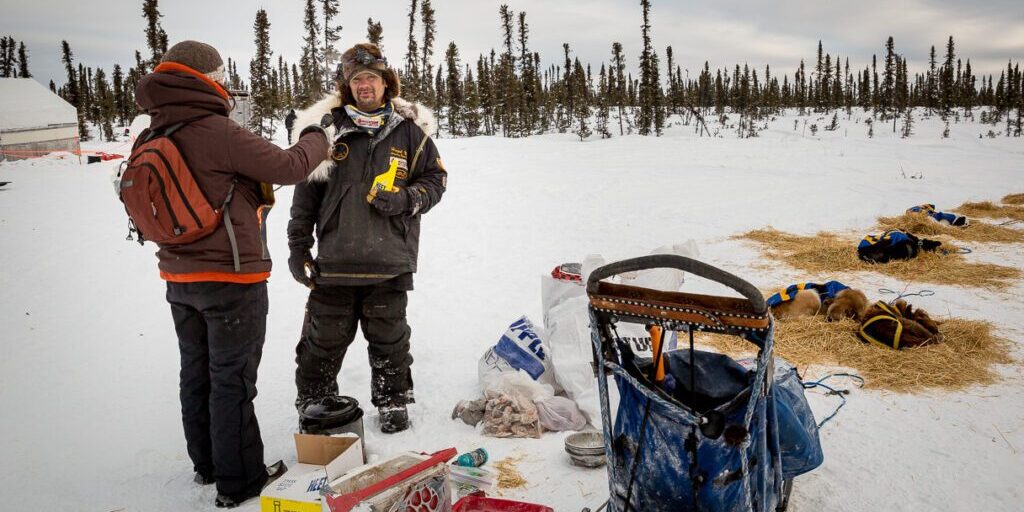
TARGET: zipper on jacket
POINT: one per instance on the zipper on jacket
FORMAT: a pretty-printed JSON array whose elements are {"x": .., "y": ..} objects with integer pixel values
[
  {"x": 167, "y": 201},
  {"x": 177, "y": 185}
]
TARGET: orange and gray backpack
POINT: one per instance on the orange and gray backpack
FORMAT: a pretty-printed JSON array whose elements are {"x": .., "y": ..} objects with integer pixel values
[{"x": 164, "y": 202}]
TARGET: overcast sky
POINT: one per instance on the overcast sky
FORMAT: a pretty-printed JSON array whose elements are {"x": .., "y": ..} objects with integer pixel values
[{"x": 724, "y": 32}]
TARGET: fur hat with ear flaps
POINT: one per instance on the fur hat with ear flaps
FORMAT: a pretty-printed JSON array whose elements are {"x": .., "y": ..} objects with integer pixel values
[{"x": 366, "y": 57}]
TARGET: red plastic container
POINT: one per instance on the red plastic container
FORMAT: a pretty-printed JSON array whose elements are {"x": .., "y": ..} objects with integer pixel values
[{"x": 480, "y": 504}]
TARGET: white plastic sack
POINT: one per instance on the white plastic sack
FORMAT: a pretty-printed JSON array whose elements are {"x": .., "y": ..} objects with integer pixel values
[
  {"x": 559, "y": 413},
  {"x": 520, "y": 348},
  {"x": 572, "y": 358},
  {"x": 664, "y": 279}
]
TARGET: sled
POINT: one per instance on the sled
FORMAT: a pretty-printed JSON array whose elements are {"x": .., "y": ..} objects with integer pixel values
[{"x": 732, "y": 439}]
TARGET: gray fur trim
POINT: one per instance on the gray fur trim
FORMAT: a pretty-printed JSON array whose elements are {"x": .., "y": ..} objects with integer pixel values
[{"x": 418, "y": 113}]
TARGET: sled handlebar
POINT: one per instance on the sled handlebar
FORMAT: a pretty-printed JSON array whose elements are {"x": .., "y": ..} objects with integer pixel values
[{"x": 690, "y": 265}]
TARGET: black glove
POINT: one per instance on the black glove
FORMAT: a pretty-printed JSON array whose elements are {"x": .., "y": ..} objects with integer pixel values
[
  {"x": 392, "y": 203},
  {"x": 298, "y": 263},
  {"x": 325, "y": 127}
]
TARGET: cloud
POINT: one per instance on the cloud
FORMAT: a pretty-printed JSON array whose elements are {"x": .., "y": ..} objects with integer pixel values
[{"x": 726, "y": 32}]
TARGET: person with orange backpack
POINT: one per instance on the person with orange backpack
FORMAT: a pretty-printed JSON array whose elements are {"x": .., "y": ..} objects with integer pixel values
[{"x": 196, "y": 184}]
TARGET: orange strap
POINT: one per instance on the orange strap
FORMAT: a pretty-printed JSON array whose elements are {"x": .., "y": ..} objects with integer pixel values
[
  {"x": 166, "y": 67},
  {"x": 219, "y": 277}
]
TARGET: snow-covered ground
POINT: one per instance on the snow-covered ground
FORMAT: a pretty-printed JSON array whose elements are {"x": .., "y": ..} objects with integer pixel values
[{"x": 88, "y": 379}]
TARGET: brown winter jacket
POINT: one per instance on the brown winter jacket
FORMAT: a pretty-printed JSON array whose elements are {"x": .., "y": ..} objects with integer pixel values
[{"x": 219, "y": 151}]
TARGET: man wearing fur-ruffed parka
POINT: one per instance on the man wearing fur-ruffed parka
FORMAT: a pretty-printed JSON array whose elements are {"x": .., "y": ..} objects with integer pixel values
[{"x": 366, "y": 232}]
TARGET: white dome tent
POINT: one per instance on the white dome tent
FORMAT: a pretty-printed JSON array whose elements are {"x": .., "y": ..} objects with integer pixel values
[{"x": 34, "y": 120}]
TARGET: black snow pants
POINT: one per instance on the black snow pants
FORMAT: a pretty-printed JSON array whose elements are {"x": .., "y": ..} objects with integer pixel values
[
  {"x": 332, "y": 314},
  {"x": 221, "y": 328}
]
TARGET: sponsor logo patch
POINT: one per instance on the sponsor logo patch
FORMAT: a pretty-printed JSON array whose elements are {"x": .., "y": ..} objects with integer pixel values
[{"x": 340, "y": 152}]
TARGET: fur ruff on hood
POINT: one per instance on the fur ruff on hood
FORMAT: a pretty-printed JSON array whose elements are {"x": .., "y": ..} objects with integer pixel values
[{"x": 415, "y": 112}]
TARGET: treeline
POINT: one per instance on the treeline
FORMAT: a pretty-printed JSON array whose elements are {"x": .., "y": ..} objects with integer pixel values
[{"x": 508, "y": 92}]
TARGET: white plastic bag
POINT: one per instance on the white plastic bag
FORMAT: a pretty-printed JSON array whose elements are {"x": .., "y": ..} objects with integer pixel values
[
  {"x": 520, "y": 348},
  {"x": 664, "y": 279},
  {"x": 559, "y": 413}
]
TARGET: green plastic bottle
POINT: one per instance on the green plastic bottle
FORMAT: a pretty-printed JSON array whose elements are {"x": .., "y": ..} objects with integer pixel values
[{"x": 473, "y": 459}]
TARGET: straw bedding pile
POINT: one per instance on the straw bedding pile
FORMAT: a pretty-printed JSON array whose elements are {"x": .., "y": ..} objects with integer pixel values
[
  {"x": 923, "y": 225},
  {"x": 990, "y": 210},
  {"x": 1014, "y": 199},
  {"x": 826, "y": 254},
  {"x": 965, "y": 357},
  {"x": 509, "y": 476}
]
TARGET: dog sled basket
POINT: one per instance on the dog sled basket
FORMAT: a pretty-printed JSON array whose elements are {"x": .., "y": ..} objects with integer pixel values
[{"x": 723, "y": 454}]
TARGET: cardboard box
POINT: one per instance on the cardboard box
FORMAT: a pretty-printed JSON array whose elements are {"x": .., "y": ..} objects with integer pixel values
[
  {"x": 408, "y": 481},
  {"x": 321, "y": 459}
]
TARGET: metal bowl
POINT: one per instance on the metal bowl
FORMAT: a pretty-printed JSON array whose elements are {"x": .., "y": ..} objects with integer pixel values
[
  {"x": 587, "y": 444},
  {"x": 587, "y": 461}
]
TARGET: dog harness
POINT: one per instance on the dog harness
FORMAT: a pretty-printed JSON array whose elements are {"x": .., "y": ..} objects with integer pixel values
[
  {"x": 827, "y": 291},
  {"x": 891, "y": 315}
]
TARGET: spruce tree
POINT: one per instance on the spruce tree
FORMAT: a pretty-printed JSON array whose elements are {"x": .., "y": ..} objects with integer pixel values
[
  {"x": 427, "y": 93},
  {"x": 85, "y": 96},
  {"x": 931, "y": 97},
  {"x": 648, "y": 75},
  {"x": 263, "y": 115},
  {"x": 816, "y": 81},
  {"x": 616, "y": 76},
  {"x": 582, "y": 108},
  {"x": 453, "y": 93},
  {"x": 375, "y": 33},
  {"x": 509, "y": 88},
  {"x": 889, "y": 79},
  {"x": 410, "y": 82},
  {"x": 332, "y": 33},
  {"x": 7, "y": 64},
  {"x": 309, "y": 64},
  {"x": 120, "y": 109},
  {"x": 156, "y": 38},
  {"x": 105, "y": 105},
  {"x": 485, "y": 89},
  {"x": 908, "y": 123},
  {"x": 71, "y": 92},
  {"x": 946, "y": 78},
  {"x": 658, "y": 96},
  {"x": 472, "y": 110},
  {"x": 140, "y": 65},
  {"x": 968, "y": 92},
  {"x": 568, "y": 94},
  {"x": 603, "y": 112},
  {"x": 23, "y": 71},
  {"x": 530, "y": 105}
]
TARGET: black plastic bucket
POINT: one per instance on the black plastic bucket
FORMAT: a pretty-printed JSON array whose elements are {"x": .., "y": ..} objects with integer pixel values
[{"x": 331, "y": 415}]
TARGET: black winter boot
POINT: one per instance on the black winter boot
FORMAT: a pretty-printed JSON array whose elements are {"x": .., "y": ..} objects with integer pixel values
[
  {"x": 274, "y": 471},
  {"x": 393, "y": 418}
]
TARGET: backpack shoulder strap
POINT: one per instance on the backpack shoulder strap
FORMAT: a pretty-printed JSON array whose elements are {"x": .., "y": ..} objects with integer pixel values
[{"x": 419, "y": 149}]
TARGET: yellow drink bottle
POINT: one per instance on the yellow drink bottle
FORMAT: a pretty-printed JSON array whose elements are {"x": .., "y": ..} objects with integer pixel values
[{"x": 384, "y": 181}]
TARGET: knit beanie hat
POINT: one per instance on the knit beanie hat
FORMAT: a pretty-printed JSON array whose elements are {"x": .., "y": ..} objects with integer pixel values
[{"x": 198, "y": 56}]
